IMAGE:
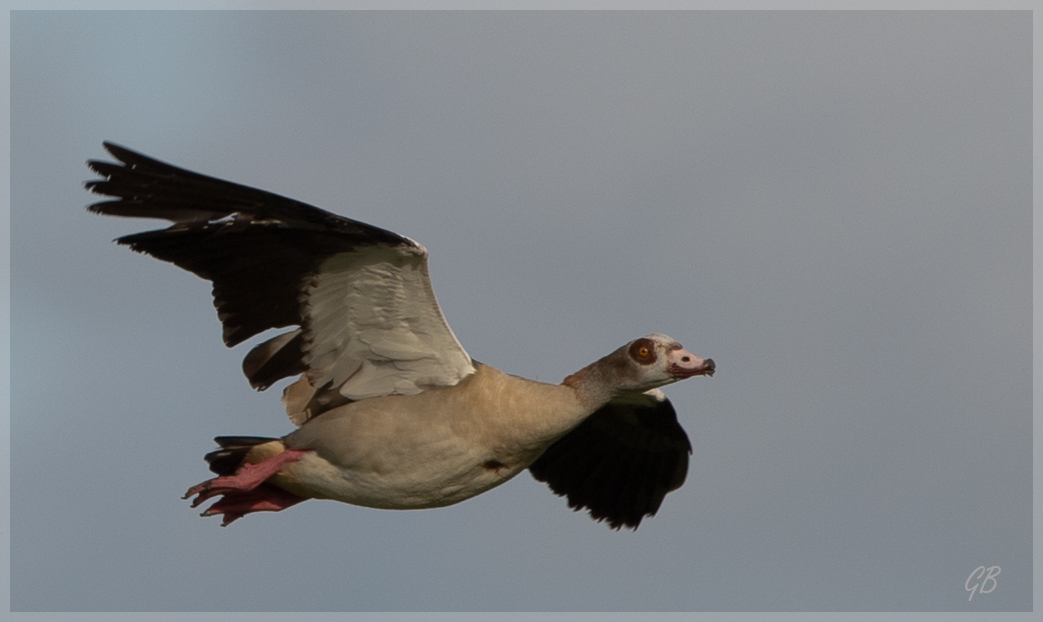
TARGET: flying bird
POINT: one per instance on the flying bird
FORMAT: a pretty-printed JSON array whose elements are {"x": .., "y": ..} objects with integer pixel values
[{"x": 390, "y": 410}]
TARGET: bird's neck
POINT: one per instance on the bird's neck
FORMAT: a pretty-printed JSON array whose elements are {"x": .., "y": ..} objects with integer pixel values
[{"x": 595, "y": 385}]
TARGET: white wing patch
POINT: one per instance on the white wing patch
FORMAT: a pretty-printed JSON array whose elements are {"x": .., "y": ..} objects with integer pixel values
[{"x": 372, "y": 326}]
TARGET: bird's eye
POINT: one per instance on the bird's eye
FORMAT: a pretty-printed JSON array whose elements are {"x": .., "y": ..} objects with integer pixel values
[{"x": 643, "y": 351}]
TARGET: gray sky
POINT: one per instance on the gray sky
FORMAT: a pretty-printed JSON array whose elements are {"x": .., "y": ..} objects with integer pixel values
[{"x": 836, "y": 207}]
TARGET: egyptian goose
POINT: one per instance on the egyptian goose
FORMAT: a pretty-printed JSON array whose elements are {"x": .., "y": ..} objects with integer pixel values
[{"x": 391, "y": 411}]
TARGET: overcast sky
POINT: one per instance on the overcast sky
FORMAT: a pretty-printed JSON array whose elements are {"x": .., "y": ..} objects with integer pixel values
[{"x": 836, "y": 207}]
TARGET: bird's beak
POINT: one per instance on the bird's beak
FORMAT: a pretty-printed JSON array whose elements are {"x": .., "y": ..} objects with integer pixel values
[{"x": 684, "y": 364}]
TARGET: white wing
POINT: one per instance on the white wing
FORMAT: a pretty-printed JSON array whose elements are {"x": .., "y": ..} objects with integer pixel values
[
  {"x": 369, "y": 321},
  {"x": 373, "y": 326}
]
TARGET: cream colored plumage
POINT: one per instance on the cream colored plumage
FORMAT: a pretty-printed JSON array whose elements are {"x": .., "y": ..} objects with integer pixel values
[
  {"x": 387, "y": 446},
  {"x": 392, "y": 411}
]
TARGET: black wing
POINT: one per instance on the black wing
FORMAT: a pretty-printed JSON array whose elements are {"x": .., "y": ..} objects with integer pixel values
[
  {"x": 254, "y": 245},
  {"x": 621, "y": 461},
  {"x": 276, "y": 262}
]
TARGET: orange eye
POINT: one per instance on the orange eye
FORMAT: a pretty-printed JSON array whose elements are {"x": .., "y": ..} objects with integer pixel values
[{"x": 643, "y": 351}]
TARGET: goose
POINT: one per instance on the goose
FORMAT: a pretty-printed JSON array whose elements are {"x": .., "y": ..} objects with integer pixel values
[{"x": 390, "y": 411}]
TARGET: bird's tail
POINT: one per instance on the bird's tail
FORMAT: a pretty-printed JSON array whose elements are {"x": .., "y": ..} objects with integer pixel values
[{"x": 233, "y": 452}]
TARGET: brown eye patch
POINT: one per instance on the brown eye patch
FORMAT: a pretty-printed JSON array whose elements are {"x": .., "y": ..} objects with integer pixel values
[{"x": 643, "y": 351}]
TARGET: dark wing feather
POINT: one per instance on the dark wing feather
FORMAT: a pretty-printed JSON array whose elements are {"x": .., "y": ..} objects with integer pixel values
[
  {"x": 255, "y": 246},
  {"x": 369, "y": 321},
  {"x": 620, "y": 462}
]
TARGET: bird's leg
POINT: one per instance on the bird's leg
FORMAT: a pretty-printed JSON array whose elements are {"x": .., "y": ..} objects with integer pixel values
[{"x": 245, "y": 491}]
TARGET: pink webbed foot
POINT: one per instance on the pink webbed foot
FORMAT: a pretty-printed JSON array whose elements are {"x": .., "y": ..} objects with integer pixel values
[
  {"x": 243, "y": 492},
  {"x": 237, "y": 504}
]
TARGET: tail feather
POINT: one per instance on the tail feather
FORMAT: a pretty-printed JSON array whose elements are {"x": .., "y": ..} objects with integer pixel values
[{"x": 228, "y": 459}]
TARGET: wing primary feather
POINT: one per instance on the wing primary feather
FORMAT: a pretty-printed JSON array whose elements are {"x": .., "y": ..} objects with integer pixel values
[
  {"x": 276, "y": 262},
  {"x": 620, "y": 463}
]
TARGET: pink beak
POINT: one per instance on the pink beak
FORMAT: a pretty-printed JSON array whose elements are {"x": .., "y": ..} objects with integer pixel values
[{"x": 684, "y": 364}]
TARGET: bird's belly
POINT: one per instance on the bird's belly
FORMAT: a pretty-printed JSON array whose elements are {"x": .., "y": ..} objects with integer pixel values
[
  {"x": 432, "y": 449},
  {"x": 424, "y": 479}
]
